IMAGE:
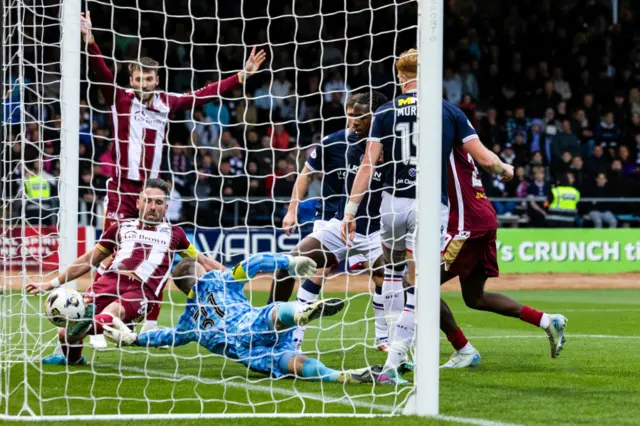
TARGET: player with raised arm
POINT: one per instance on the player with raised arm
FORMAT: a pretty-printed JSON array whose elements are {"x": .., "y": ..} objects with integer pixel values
[
  {"x": 219, "y": 317},
  {"x": 140, "y": 116},
  {"x": 470, "y": 252},
  {"x": 324, "y": 245},
  {"x": 330, "y": 159},
  {"x": 143, "y": 251}
]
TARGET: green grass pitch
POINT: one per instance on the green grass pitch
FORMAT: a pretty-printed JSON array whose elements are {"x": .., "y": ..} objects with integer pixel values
[{"x": 594, "y": 381}]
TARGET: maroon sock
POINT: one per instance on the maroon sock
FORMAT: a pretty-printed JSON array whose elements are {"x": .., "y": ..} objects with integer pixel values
[
  {"x": 458, "y": 339},
  {"x": 100, "y": 320},
  {"x": 72, "y": 351},
  {"x": 531, "y": 316}
]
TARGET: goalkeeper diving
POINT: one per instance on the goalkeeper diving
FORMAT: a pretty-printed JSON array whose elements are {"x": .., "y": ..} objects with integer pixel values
[{"x": 219, "y": 317}]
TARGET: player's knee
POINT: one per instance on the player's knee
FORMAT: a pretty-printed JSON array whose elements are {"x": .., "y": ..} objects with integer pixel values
[{"x": 474, "y": 301}]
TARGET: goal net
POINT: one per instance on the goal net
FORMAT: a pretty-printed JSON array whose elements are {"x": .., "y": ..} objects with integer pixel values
[{"x": 232, "y": 163}]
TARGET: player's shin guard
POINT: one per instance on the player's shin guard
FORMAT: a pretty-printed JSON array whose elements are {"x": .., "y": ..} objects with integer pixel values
[
  {"x": 404, "y": 333},
  {"x": 393, "y": 293},
  {"x": 382, "y": 331},
  {"x": 307, "y": 293}
]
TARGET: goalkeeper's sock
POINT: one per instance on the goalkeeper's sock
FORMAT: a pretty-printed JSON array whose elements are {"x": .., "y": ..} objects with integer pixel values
[
  {"x": 382, "y": 332},
  {"x": 316, "y": 370},
  {"x": 307, "y": 293},
  {"x": 404, "y": 333},
  {"x": 100, "y": 320}
]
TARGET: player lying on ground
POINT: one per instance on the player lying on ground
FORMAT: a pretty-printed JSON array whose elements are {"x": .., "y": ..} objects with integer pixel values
[
  {"x": 143, "y": 251},
  {"x": 219, "y": 317},
  {"x": 324, "y": 245},
  {"x": 140, "y": 120},
  {"x": 330, "y": 159}
]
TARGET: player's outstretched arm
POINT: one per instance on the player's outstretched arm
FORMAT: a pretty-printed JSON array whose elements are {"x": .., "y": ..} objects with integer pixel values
[
  {"x": 122, "y": 335},
  {"x": 359, "y": 188},
  {"x": 81, "y": 266},
  {"x": 209, "y": 263},
  {"x": 206, "y": 94},
  {"x": 96, "y": 60},
  {"x": 290, "y": 221},
  {"x": 299, "y": 266},
  {"x": 488, "y": 160}
]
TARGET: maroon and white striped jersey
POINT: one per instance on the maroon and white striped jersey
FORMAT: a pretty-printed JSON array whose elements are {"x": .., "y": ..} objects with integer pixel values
[
  {"x": 469, "y": 207},
  {"x": 139, "y": 129},
  {"x": 145, "y": 250}
]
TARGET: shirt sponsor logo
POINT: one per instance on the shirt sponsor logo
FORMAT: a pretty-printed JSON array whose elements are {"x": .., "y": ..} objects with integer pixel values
[{"x": 406, "y": 101}]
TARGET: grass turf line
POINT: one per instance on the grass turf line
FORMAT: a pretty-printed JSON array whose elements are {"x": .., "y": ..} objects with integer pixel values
[{"x": 518, "y": 382}]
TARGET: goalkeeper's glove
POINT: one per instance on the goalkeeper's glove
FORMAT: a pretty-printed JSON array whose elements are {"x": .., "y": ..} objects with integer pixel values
[
  {"x": 119, "y": 333},
  {"x": 302, "y": 267}
]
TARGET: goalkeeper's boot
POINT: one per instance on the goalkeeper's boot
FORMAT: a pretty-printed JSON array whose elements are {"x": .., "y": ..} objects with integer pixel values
[
  {"x": 463, "y": 359},
  {"x": 315, "y": 310},
  {"x": 60, "y": 359},
  {"x": 362, "y": 375},
  {"x": 391, "y": 376},
  {"x": 555, "y": 333},
  {"x": 151, "y": 326}
]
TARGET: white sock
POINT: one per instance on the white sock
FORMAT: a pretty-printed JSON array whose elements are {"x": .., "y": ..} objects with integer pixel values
[
  {"x": 304, "y": 297},
  {"x": 392, "y": 290},
  {"x": 402, "y": 339},
  {"x": 382, "y": 330},
  {"x": 467, "y": 348},
  {"x": 545, "y": 321}
]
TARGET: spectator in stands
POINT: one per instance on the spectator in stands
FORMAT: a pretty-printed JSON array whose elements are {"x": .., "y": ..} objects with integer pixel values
[
  {"x": 263, "y": 101},
  {"x": 490, "y": 131},
  {"x": 538, "y": 188},
  {"x": 174, "y": 209},
  {"x": 247, "y": 113},
  {"x": 205, "y": 133},
  {"x": 106, "y": 161},
  {"x": 333, "y": 114},
  {"x": 547, "y": 99},
  {"x": 577, "y": 166},
  {"x": 336, "y": 89},
  {"x": 452, "y": 86},
  {"x": 590, "y": 108},
  {"x": 279, "y": 137},
  {"x": 236, "y": 160},
  {"x": 632, "y": 130},
  {"x": 565, "y": 141},
  {"x": 620, "y": 109},
  {"x": 216, "y": 112},
  {"x": 508, "y": 155},
  {"x": 468, "y": 80},
  {"x": 518, "y": 122},
  {"x": 583, "y": 129},
  {"x": 535, "y": 137},
  {"x": 563, "y": 203},
  {"x": 521, "y": 151},
  {"x": 563, "y": 164},
  {"x": 280, "y": 89},
  {"x": 634, "y": 100},
  {"x": 601, "y": 212},
  {"x": 597, "y": 162},
  {"x": 560, "y": 85},
  {"x": 607, "y": 133}
]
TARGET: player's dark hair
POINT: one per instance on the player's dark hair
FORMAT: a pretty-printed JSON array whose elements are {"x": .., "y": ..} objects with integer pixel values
[
  {"x": 374, "y": 99},
  {"x": 158, "y": 183},
  {"x": 353, "y": 99},
  {"x": 184, "y": 275}
]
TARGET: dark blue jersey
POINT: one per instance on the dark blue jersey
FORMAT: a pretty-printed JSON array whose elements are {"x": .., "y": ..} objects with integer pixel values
[
  {"x": 330, "y": 158},
  {"x": 395, "y": 126},
  {"x": 368, "y": 214}
]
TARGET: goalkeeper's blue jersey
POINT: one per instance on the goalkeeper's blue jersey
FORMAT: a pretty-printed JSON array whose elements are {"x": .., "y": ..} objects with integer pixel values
[{"x": 218, "y": 315}]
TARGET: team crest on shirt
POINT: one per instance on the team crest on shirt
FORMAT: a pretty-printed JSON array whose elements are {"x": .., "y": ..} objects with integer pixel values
[
  {"x": 412, "y": 172},
  {"x": 314, "y": 154},
  {"x": 164, "y": 230}
]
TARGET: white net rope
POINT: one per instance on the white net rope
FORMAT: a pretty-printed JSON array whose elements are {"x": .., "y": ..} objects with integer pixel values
[{"x": 232, "y": 163}]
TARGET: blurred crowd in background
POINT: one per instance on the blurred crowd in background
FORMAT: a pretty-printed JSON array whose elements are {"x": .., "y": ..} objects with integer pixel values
[{"x": 552, "y": 89}]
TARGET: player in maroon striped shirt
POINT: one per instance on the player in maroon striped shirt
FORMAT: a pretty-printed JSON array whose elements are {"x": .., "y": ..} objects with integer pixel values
[
  {"x": 139, "y": 118},
  {"x": 469, "y": 252},
  {"x": 143, "y": 251}
]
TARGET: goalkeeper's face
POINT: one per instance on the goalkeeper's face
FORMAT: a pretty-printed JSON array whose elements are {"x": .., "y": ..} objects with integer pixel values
[
  {"x": 144, "y": 84},
  {"x": 152, "y": 205}
]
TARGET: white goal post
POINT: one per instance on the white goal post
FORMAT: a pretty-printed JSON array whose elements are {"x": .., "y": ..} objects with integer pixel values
[{"x": 189, "y": 382}]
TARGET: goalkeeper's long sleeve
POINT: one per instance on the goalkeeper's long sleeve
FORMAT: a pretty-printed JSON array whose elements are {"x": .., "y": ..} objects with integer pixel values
[
  {"x": 256, "y": 264},
  {"x": 174, "y": 336}
]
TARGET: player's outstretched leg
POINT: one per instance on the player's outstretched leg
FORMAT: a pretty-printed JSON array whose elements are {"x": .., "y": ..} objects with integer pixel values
[
  {"x": 476, "y": 298},
  {"x": 313, "y": 369},
  {"x": 465, "y": 354},
  {"x": 287, "y": 315}
]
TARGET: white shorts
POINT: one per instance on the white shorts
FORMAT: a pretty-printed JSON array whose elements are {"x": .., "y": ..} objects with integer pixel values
[
  {"x": 356, "y": 259},
  {"x": 399, "y": 224},
  {"x": 367, "y": 247}
]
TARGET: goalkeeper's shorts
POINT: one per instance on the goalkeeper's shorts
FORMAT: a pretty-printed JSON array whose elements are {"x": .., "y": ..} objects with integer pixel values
[
  {"x": 134, "y": 296},
  {"x": 256, "y": 344}
]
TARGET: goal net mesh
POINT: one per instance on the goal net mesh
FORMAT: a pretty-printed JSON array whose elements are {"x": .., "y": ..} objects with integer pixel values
[{"x": 232, "y": 164}]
